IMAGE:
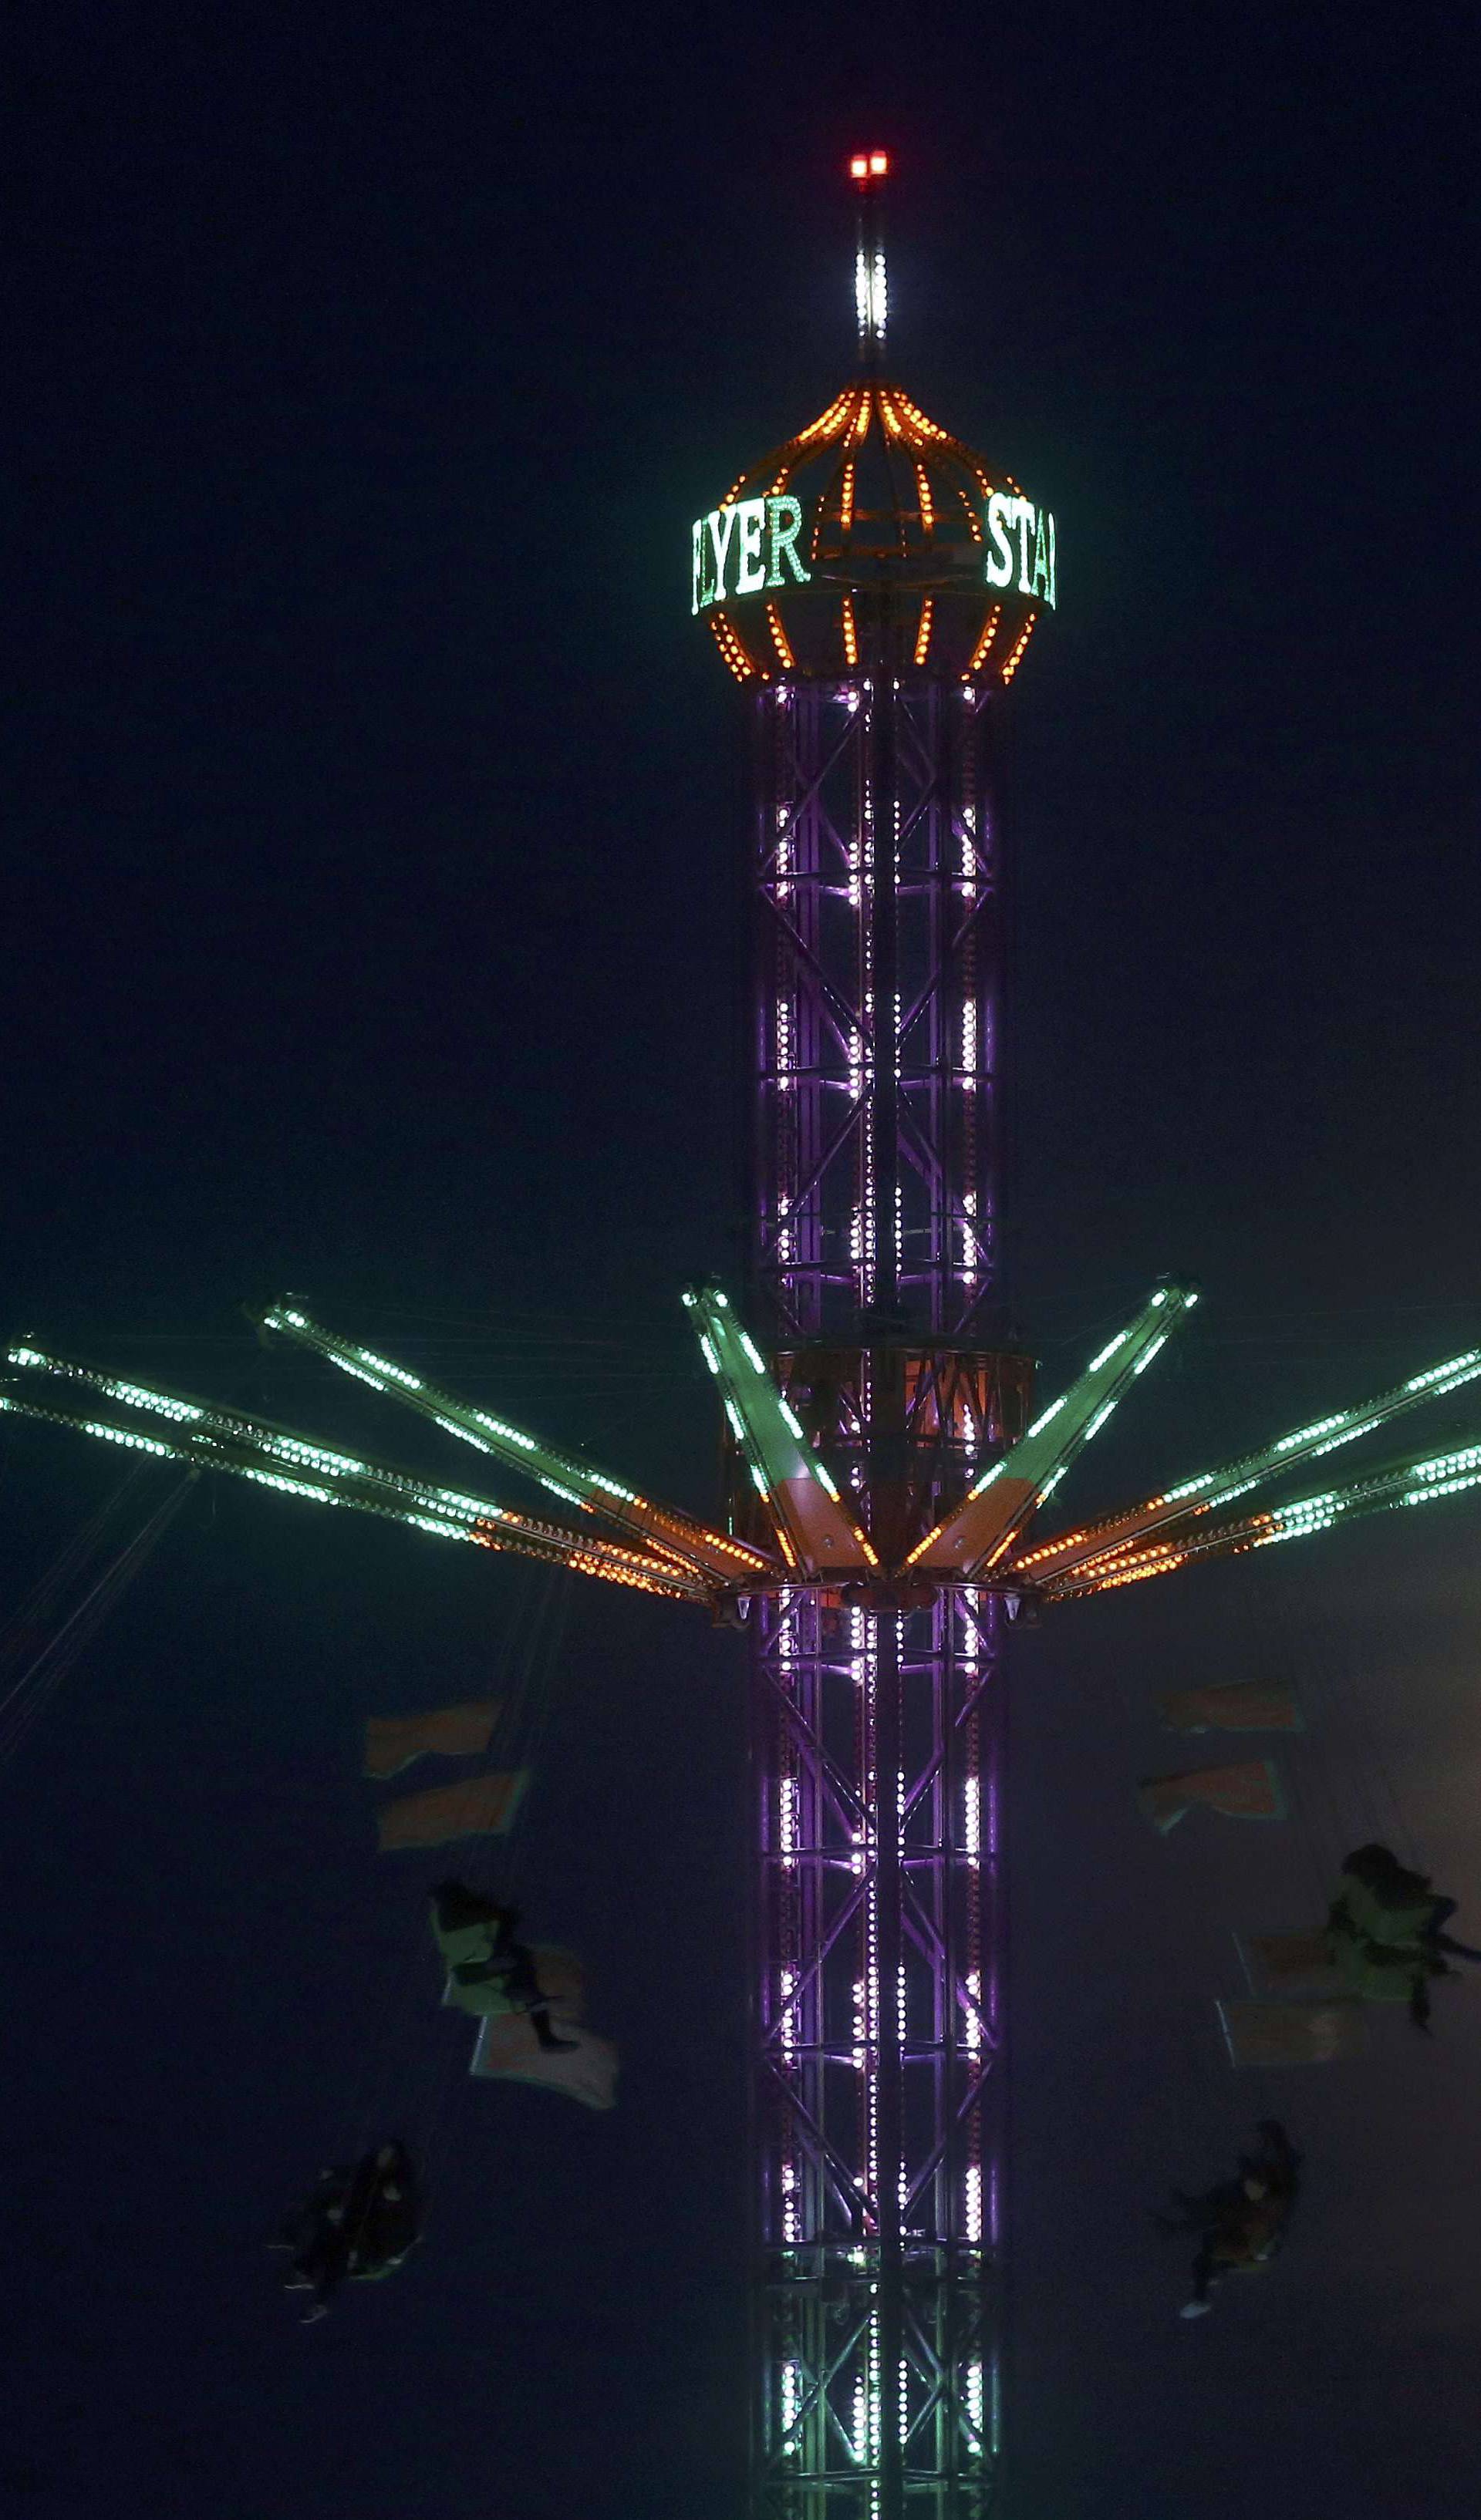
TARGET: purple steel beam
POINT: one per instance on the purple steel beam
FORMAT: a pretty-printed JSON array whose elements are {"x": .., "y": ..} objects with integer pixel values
[
  {"x": 876, "y": 1018},
  {"x": 876, "y": 1726},
  {"x": 878, "y": 2060}
]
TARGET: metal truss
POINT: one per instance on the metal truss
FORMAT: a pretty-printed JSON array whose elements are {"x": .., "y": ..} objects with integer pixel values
[
  {"x": 877, "y": 1015},
  {"x": 878, "y": 2084},
  {"x": 878, "y": 2172}
]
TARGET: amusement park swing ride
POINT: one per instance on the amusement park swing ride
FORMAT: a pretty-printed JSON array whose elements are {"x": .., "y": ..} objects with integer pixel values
[{"x": 872, "y": 585}]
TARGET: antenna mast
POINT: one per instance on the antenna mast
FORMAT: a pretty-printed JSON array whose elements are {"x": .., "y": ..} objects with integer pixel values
[{"x": 871, "y": 292}]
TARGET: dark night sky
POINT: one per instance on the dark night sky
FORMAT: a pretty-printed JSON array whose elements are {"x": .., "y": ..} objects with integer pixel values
[{"x": 373, "y": 811}]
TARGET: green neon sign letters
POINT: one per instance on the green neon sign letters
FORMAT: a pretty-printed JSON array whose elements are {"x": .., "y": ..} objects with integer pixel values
[
  {"x": 1010, "y": 518},
  {"x": 749, "y": 547},
  {"x": 745, "y": 546}
]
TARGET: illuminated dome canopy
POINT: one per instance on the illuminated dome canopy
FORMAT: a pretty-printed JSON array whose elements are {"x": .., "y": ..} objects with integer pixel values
[
  {"x": 891, "y": 517},
  {"x": 874, "y": 536}
]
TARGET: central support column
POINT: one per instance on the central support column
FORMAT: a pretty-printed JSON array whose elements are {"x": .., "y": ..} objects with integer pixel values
[
  {"x": 879, "y": 2023},
  {"x": 888, "y": 2056},
  {"x": 882, "y": 972}
]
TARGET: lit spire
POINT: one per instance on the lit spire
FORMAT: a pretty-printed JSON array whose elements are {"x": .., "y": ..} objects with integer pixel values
[{"x": 869, "y": 169}]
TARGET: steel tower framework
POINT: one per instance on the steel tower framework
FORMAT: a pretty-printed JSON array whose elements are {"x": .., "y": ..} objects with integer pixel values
[{"x": 876, "y": 1719}]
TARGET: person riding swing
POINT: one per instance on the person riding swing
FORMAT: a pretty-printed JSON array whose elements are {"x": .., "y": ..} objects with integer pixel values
[
  {"x": 1241, "y": 2223},
  {"x": 1385, "y": 1931},
  {"x": 489, "y": 1971}
]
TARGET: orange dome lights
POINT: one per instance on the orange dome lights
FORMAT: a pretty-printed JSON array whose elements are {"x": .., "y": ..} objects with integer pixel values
[
  {"x": 874, "y": 539},
  {"x": 872, "y": 523}
]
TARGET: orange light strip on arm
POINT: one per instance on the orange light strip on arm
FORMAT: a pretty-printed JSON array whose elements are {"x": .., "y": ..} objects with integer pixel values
[
  {"x": 985, "y": 1525},
  {"x": 797, "y": 1491},
  {"x": 297, "y": 1467},
  {"x": 562, "y": 1473},
  {"x": 1180, "y": 1509}
]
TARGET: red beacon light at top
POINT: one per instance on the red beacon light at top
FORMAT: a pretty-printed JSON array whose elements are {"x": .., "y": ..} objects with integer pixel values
[{"x": 876, "y": 162}]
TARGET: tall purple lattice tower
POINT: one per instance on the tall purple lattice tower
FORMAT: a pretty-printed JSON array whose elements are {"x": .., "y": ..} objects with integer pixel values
[{"x": 863, "y": 583}]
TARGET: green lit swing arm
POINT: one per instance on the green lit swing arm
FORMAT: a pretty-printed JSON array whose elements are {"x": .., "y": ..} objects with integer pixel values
[
  {"x": 171, "y": 1427},
  {"x": 713, "y": 1554},
  {"x": 814, "y": 1530},
  {"x": 1421, "y": 1480},
  {"x": 975, "y": 1538},
  {"x": 1194, "y": 1500}
]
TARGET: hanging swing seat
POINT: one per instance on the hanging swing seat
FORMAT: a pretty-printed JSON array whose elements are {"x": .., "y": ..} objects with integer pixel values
[
  {"x": 1247, "y": 1790},
  {"x": 1235, "y": 1706},
  {"x": 474, "y": 1807},
  {"x": 508, "y": 2051},
  {"x": 1259, "y": 2035},
  {"x": 1289, "y": 1964},
  {"x": 395, "y": 1742}
]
